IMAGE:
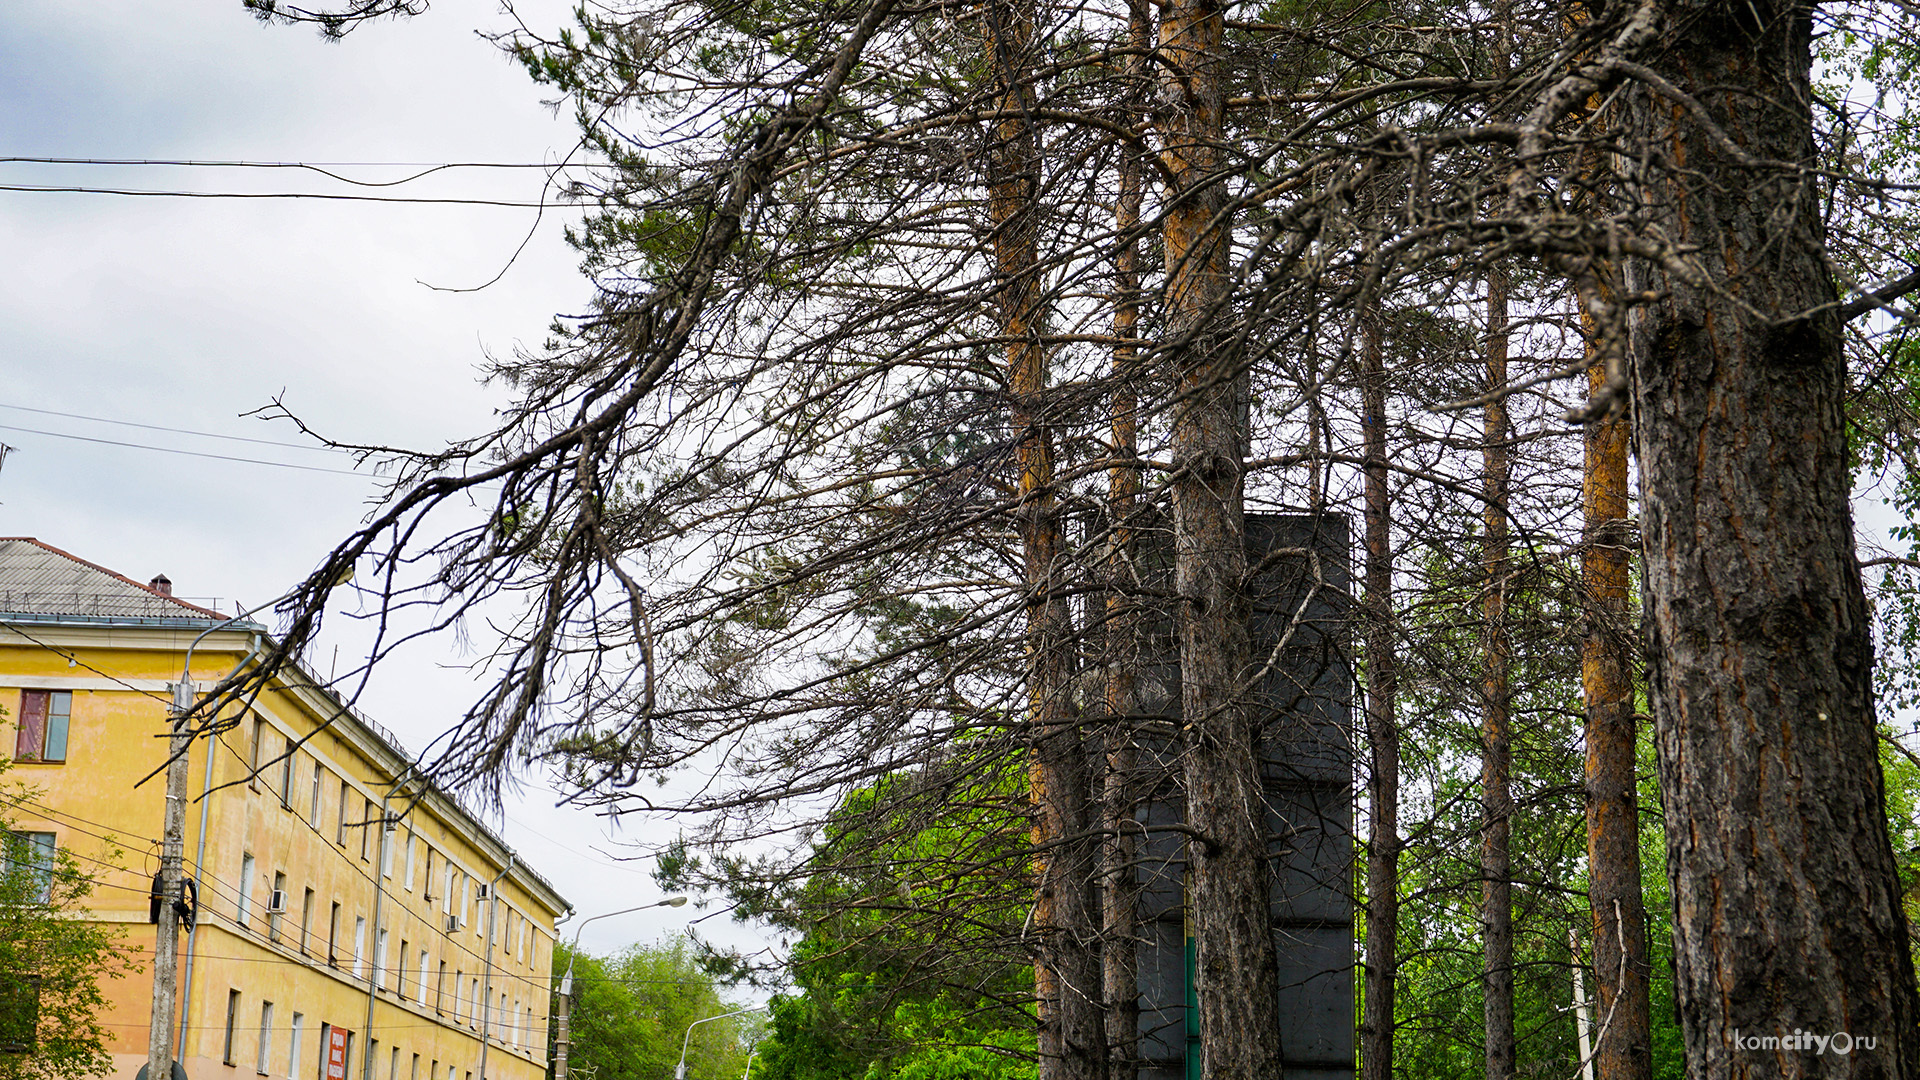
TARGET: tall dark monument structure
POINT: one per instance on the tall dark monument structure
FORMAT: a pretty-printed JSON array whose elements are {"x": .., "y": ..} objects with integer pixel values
[{"x": 1301, "y": 607}]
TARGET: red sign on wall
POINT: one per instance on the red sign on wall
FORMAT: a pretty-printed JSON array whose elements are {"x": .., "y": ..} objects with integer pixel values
[{"x": 337, "y": 1042}]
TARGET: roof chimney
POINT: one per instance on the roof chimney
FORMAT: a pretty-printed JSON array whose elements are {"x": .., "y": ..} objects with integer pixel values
[{"x": 161, "y": 585}]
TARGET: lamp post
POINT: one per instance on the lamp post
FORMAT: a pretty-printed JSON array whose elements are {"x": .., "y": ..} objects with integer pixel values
[
  {"x": 563, "y": 1031},
  {"x": 680, "y": 1070}
]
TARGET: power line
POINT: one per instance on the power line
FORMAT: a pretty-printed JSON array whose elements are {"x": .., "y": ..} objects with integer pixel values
[
  {"x": 152, "y": 193},
  {"x": 174, "y": 430},
  {"x": 188, "y": 453},
  {"x": 427, "y": 168}
]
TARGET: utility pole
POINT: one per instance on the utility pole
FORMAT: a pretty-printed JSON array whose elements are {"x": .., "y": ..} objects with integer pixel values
[{"x": 166, "y": 941}]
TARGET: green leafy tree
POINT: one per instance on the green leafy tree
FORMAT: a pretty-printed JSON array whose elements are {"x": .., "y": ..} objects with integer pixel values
[
  {"x": 632, "y": 1010},
  {"x": 908, "y": 965},
  {"x": 52, "y": 958}
]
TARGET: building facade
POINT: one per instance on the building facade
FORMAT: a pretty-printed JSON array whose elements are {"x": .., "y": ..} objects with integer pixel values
[{"x": 353, "y": 921}]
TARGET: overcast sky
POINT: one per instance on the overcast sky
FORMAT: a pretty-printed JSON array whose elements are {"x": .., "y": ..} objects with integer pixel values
[{"x": 185, "y": 313}]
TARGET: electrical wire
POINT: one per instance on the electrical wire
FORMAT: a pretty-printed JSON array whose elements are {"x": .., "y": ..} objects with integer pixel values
[
  {"x": 188, "y": 453},
  {"x": 173, "y": 430},
  {"x": 324, "y": 168},
  {"x": 62, "y": 189}
]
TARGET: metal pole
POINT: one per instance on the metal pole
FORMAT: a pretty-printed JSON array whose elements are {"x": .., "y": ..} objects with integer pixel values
[
  {"x": 680, "y": 1070},
  {"x": 200, "y": 866},
  {"x": 377, "y": 969},
  {"x": 486, "y": 981}
]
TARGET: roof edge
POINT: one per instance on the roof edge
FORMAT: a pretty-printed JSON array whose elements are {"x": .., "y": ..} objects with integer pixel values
[{"x": 148, "y": 589}]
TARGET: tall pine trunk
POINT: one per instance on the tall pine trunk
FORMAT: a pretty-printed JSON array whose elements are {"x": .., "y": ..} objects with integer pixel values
[
  {"x": 1235, "y": 977},
  {"x": 1625, "y": 1050},
  {"x": 1123, "y": 637},
  {"x": 1496, "y": 722},
  {"x": 1066, "y": 971},
  {"x": 1787, "y": 903},
  {"x": 1383, "y": 733}
]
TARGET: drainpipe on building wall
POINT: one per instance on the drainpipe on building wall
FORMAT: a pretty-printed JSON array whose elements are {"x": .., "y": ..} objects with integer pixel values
[
  {"x": 377, "y": 968},
  {"x": 200, "y": 862},
  {"x": 486, "y": 991}
]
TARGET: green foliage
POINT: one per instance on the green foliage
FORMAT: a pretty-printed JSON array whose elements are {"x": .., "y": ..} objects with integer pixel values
[
  {"x": 52, "y": 958},
  {"x": 908, "y": 964},
  {"x": 632, "y": 1010}
]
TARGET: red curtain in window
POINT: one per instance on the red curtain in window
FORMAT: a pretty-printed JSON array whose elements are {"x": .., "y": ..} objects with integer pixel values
[{"x": 32, "y": 725}]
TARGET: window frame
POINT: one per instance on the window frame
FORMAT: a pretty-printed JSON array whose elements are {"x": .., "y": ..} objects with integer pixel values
[{"x": 50, "y": 722}]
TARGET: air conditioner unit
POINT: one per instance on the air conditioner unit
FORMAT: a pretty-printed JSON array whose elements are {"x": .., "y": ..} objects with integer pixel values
[
  {"x": 485, "y": 890},
  {"x": 277, "y": 902},
  {"x": 453, "y": 923}
]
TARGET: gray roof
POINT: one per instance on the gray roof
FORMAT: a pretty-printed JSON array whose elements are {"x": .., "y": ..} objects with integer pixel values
[{"x": 39, "y": 580}]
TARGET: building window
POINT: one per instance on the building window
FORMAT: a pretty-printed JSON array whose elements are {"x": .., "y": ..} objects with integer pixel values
[
  {"x": 276, "y": 905},
  {"x": 414, "y": 1072},
  {"x": 359, "y": 949},
  {"x": 333, "y": 934},
  {"x": 400, "y": 987},
  {"x": 313, "y": 807},
  {"x": 380, "y": 958},
  {"x": 366, "y": 826},
  {"x": 388, "y": 839},
  {"x": 293, "y": 1047},
  {"x": 233, "y": 1016},
  {"x": 42, "y": 725},
  {"x": 263, "y": 1056},
  {"x": 420, "y": 988},
  {"x": 426, "y": 883},
  {"x": 459, "y": 995},
  {"x": 446, "y": 895},
  {"x": 340, "y": 834},
  {"x": 440, "y": 990},
  {"x": 306, "y": 919},
  {"x": 256, "y": 751},
  {"x": 246, "y": 889},
  {"x": 286, "y": 775},
  {"x": 409, "y": 881},
  {"x": 393, "y": 1065},
  {"x": 30, "y": 853}
]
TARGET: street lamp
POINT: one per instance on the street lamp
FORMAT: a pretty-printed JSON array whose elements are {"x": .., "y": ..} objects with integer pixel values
[
  {"x": 563, "y": 1032},
  {"x": 680, "y": 1070}
]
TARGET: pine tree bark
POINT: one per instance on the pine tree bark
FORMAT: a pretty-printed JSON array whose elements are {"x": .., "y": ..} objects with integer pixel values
[
  {"x": 1066, "y": 971},
  {"x": 1119, "y": 955},
  {"x": 1496, "y": 727},
  {"x": 1787, "y": 906},
  {"x": 1383, "y": 733},
  {"x": 1236, "y": 980},
  {"x": 1625, "y": 1050}
]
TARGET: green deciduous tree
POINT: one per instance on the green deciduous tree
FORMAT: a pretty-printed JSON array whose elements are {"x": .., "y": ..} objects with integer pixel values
[
  {"x": 52, "y": 957},
  {"x": 632, "y": 1010}
]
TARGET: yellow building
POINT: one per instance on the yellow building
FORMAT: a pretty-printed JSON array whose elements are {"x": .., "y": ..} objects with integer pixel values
[{"x": 354, "y": 922}]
